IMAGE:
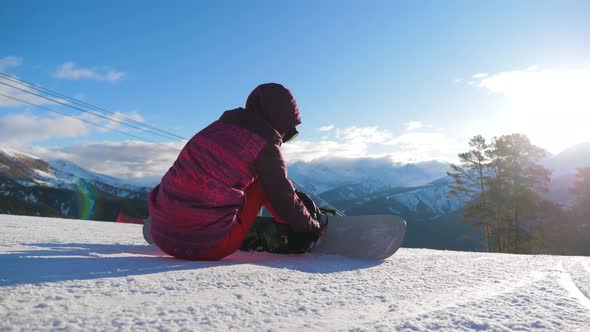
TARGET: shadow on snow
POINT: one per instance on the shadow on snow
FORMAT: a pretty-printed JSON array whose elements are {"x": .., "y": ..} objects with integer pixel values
[{"x": 54, "y": 262}]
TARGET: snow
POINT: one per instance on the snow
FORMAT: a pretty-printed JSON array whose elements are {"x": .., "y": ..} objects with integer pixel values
[
  {"x": 60, "y": 274},
  {"x": 13, "y": 154},
  {"x": 375, "y": 174},
  {"x": 67, "y": 175},
  {"x": 70, "y": 173},
  {"x": 26, "y": 183},
  {"x": 65, "y": 208},
  {"x": 435, "y": 197},
  {"x": 31, "y": 198}
]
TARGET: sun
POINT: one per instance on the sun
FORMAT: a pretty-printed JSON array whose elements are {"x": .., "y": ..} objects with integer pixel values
[{"x": 551, "y": 107}]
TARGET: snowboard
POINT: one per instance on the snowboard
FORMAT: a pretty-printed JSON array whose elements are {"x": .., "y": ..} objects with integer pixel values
[{"x": 368, "y": 237}]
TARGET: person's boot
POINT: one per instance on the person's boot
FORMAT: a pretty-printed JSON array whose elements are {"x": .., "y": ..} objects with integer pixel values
[{"x": 266, "y": 235}]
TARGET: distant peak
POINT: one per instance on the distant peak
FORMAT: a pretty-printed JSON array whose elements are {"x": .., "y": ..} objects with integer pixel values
[{"x": 17, "y": 154}]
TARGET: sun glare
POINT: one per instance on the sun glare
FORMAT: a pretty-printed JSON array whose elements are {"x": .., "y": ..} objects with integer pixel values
[{"x": 551, "y": 107}]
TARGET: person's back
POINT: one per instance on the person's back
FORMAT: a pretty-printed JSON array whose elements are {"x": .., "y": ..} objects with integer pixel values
[{"x": 208, "y": 199}]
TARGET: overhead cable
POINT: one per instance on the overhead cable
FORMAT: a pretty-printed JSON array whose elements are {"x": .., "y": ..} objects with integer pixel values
[
  {"x": 57, "y": 101},
  {"x": 87, "y": 121}
]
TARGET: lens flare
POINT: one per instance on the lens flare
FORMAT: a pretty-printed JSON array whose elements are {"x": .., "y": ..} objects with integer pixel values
[{"x": 85, "y": 199}]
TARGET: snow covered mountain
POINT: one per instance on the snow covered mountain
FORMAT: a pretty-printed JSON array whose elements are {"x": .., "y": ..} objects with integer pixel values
[
  {"x": 419, "y": 193},
  {"x": 568, "y": 160},
  {"x": 431, "y": 200},
  {"x": 435, "y": 218},
  {"x": 563, "y": 165},
  {"x": 29, "y": 171},
  {"x": 351, "y": 183},
  {"x": 30, "y": 185},
  {"x": 374, "y": 174},
  {"x": 73, "y": 275}
]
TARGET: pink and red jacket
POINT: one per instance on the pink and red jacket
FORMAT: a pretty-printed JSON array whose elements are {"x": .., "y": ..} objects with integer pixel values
[{"x": 196, "y": 204}]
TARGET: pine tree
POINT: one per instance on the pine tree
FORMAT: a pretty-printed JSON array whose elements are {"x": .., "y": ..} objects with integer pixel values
[
  {"x": 566, "y": 228},
  {"x": 581, "y": 193},
  {"x": 514, "y": 191},
  {"x": 470, "y": 184},
  {"x": 498, "y": 200},
  {"x": 581, "y": 210},
  {"x": 501, "y": 184}
]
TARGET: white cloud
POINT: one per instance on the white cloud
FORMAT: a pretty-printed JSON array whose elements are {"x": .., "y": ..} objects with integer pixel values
[
  {"x": 147, "y": 162},
  {"x": 18, "y": 129},
  {"x": 10, "y": 62},
  {"x": 69, "y": 71},
  {"x": 373, "y": 142},
  {"x": 480, "y": 75},
  {"x": 364, "y": 135},
  {"x": 551, "y": 106},
  {"x": 23, "y": 129},
  {"x": 326, "y": 128},
  {"x": 131, "y": 160},
  {"x": 413, "y": 125},
  {"x": 300, "y": 150},
  {"x": 425, "y": 146}
]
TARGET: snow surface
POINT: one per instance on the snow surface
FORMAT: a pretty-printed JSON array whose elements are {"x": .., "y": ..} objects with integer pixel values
[{"x": 60, "y": 274}]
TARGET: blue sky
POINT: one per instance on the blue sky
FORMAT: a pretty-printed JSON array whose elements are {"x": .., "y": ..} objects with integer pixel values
[{"x": 406, "y": 80}]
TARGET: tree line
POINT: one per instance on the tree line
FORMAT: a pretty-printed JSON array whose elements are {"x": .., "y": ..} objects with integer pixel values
[{"x": 502, "y": 182}]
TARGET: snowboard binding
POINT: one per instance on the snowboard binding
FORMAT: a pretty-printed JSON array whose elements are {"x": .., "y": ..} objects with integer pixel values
[{"x": 270, "y": 236}]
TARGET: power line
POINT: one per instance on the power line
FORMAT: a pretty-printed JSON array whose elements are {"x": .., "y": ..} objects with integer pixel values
[
  {"x": 142, "y": 126},
  {"x": 87, "y": 121},
  {"x": 85, "y": 104},
  {"x": 80, "y": 109}
]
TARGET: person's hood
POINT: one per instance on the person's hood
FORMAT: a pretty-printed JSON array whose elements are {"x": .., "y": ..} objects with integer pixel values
[{"x": 275, "y": 104}]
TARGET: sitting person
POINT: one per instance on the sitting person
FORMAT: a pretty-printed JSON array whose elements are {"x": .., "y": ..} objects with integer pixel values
[{"x": 208, "y": 200}]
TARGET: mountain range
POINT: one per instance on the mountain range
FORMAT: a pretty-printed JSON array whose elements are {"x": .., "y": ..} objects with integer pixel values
[
  {"x": 418, "y": 192},
  {"x": 563, "y": 166},
  {"x": 32, "y": 186}
]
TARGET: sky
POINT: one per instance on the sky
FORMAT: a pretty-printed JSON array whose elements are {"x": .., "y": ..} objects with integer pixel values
[{"x": 405, "y": 80}]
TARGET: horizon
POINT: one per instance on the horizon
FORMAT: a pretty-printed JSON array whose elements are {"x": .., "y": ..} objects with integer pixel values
[
  {"x": 425, "y": 78},
  {"x": 557, "y": 169}
]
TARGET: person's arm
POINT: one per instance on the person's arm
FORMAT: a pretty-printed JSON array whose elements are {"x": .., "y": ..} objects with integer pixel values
[{"x": 286, "y": 206}]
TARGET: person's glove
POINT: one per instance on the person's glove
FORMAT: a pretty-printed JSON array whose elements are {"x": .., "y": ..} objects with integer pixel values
[
  {"x": 301, "y": 242},
  {"x": 309, "y": 204},
  {"x": 323, "y": 221}
]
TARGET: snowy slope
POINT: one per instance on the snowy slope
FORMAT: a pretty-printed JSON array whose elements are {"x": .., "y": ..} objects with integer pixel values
[
  {"x": 69, "y": 172},
  {"x": 30, "y": 171},
  {"x": 375, "y": 174},
  {"x": 569, "y": 159},
  {"x": 563, "y": 166},
  {"x": 62, "y": 274},
  {"x": 432, "y": 200}
]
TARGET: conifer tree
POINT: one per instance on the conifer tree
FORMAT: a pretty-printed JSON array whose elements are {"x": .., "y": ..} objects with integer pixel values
[
  {"x": 470, "y": 184},
  {"x": 581, "y": 193},
  {"x": 515, "y": 189},
  {"x": 501, "y": 184}
]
